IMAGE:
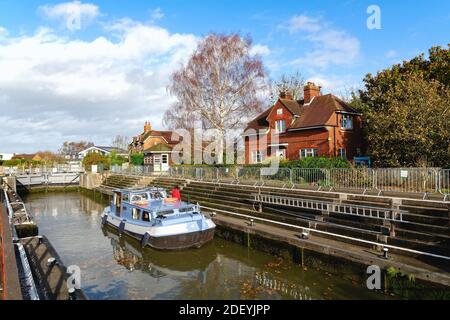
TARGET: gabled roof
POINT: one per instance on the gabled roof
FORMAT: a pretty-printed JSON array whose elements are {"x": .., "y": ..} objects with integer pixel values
[
  {"x": 260, "y": 122},
  {"x": 23, "y": 156},
  {"x": 166, "y": 135},
  {"x": 317, "y": 113},
  {"x": 160, "y": 147},
  {"x": 106, "y": 149}
]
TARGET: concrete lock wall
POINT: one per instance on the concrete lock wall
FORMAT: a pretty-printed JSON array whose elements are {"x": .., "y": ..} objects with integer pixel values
[{"x": 90, "y": 180}]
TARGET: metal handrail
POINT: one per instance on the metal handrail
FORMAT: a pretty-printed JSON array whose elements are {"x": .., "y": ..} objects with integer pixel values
[{"x": 389, "y": 214}]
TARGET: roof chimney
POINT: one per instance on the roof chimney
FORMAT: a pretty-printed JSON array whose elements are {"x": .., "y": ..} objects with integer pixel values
[
  {"x": 286, "y": 95},
  {"x": 147, "y": 127},
  {"x": 311, "y": 91}
]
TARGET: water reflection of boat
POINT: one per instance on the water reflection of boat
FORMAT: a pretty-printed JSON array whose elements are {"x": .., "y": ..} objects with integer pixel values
[
  {"x": 158, "y": 221},
  {"x": 129, "y": 253}
]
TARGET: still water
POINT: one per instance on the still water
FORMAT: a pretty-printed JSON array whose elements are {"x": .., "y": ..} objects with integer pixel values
[{"x": 118, "y": 268}]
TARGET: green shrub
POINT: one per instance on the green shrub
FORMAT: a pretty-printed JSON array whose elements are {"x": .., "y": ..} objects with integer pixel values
[
  {"x": 116, "y": 160},
  {"x": 137, "y": 159},
  {"x": 94, "y": 158},
  {"x": 317, "y": 162}
]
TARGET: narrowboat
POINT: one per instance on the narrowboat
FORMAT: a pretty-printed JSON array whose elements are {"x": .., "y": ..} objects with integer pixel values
[{"x": 158, "y": 221}]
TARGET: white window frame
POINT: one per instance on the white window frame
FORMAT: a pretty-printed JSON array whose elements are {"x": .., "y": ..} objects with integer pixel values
[
  {"x": 277, "y": 126},
  {"x": 346, "y": 122},
  {"x": 342, "y": 153},
  {"x": 309, "y": 153},
  {"x": 279, "y": 111},
  {"x": 258, "y": 156}
]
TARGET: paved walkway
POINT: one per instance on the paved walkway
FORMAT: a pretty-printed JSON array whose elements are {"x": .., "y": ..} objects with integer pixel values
[{"x": 9, "y": 273}]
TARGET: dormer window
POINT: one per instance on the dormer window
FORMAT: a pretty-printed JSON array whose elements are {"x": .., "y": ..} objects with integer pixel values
[
  {"x": 346, "y": 122},
  {"x": 280, "y": 111},
  {"x": 280, "y": 126}
]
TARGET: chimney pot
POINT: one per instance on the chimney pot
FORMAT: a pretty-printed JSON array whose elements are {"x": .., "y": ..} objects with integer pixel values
[
  {"x": 286, "y": 95},
  {"x": 311, "y": 91},
  {"x": 147, "y": 127}
]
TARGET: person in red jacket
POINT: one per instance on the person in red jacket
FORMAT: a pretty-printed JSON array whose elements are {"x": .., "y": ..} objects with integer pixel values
[{"x": 176, "y": 193}]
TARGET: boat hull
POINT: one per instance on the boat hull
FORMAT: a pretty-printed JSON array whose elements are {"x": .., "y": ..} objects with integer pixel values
[{"x": 171, "y": 242}]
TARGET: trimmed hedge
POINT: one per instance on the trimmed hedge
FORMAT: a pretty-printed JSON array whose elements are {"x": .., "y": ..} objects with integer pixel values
[{"x": 316, "y": 162}]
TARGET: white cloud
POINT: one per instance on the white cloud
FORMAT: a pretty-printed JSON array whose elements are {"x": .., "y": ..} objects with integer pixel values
[
  {"x": 55, "y": 88},
  {"x": 304, "y": 23},
  {"x": 3, "y": 32},
  {"x": 260, "y": 49},
  {"x": 75, "y": 15},
  {"x": 329, "y": 46},
  {"x": 156, "y": 14}
]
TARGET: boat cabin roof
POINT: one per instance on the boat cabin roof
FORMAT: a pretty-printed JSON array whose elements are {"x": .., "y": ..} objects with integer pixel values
[{"x": 153, "y": 199}]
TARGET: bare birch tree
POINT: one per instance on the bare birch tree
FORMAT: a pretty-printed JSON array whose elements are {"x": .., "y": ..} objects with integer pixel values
[
  {"x": 292, "y": 84},
  {"x": 121, "y": 142},
  {"x": 221, "y": 85}
]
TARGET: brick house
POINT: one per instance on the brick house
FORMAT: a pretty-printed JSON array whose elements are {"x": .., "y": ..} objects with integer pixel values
[
  {"x": 318, "y": 125},
  {"x": 155, "y": 145}
]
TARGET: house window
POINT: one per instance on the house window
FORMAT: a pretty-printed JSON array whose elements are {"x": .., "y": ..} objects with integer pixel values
[
  {"x": 346, "y": 122},
  {"x": 309, "y": 153},
  {"x": 280, "y": 111},
  {"x": 258, "y": 156},
  {"x": 342, "y": 153},
  {"x": 136, "y": 214},
  {"x": 280, "y": 126}
]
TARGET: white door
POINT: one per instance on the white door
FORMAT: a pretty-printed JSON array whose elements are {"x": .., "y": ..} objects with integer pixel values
[
  {"x": 157, "y": 163},
  {"x": 165, "y": 162}
]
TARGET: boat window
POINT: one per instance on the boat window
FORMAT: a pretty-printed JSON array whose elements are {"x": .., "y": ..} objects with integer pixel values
[
  {"x": 146, "y": 216},
  {"x": 157, "y": 195},
  {"x": 125, "y": 197},
  {"x": 118, "y": 200},
  {"x": 136, "y": 214},
  {"x": 139, "y": 197},
  {"x": 162, "y": 213}
]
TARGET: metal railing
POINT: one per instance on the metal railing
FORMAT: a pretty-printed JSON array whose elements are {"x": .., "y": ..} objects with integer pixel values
[
  {"x": 342, "y": 208},
  {"x": 48, "y": 179},
  {"x": 23, "y": 170},
  {"x": 444, "y": 183},
  {"x": 424, "y": 181}
]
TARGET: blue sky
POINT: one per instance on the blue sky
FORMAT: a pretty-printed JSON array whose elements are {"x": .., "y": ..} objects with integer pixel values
[{"x": 108, "y": 75}]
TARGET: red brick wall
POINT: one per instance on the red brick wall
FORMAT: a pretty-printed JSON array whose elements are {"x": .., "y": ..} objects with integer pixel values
[
  {"x": 286, "y": 116},
  {"x": 327, "y": 140}
]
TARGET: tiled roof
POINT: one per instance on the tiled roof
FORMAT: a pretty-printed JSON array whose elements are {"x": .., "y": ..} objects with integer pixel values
[
  {"x": 111, "y": 149},
  {"x": 160, "y": 147},
  {"x": 154, "y": 133},
  {"x": 260, "y": 121},
  {"x": 318, "y": 113}
]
